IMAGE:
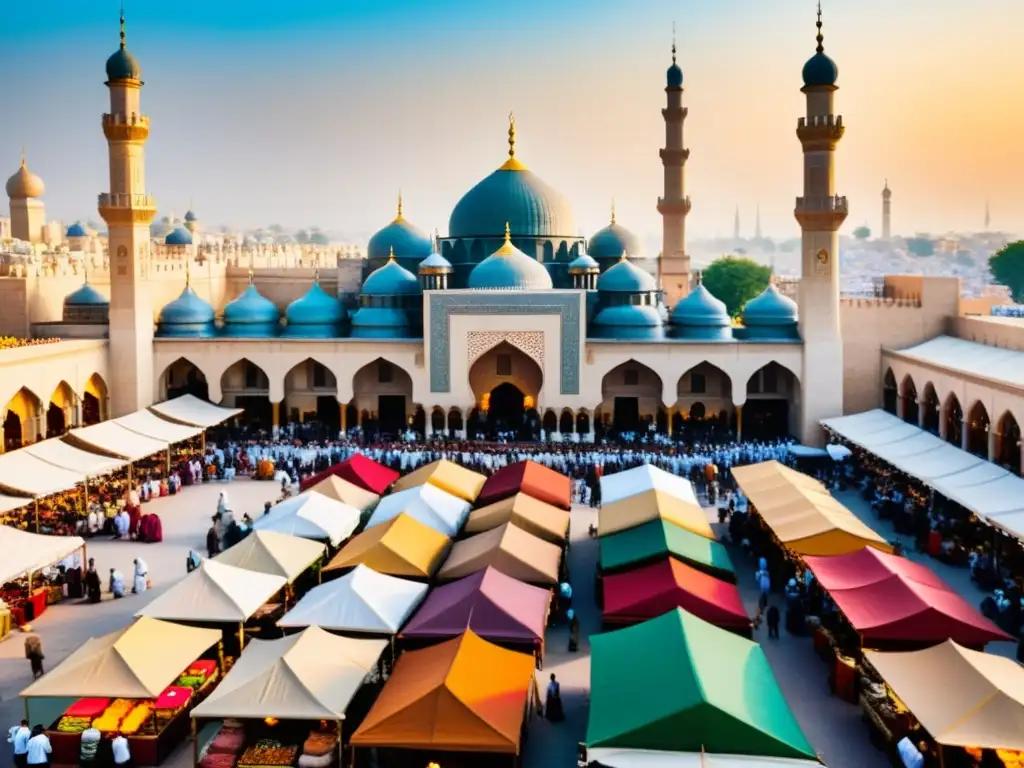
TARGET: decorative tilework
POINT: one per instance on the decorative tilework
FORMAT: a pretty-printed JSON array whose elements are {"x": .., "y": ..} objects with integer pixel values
[
  {"x": 565, "y": 305},
  {"x": 530, "y": 343}
]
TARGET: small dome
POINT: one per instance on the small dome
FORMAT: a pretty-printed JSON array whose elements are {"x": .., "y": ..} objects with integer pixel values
[
  {"x": 380, "y": 323},
  {"x": 820, "y": 70},
  {"x": 700, "y": 309},
  {"x": 612, "y": 241},
  {"x": 24, "y": 184},
  {"x": 190, "y": 217},
  {"x": 435, "y": 264},
  {"x": 315, "y": 313},
  {"x": 76, "y": 230},
  {"x": 178, "y": 236},
  {"x": 391, "y": 280},
  {"x": 186, "y": 316},
  {"x": 584, "y": 265},
  {"x": 252, "y": 310},
  {"x": 674, "y": 76},
  {"x": 770, "y": 309},
  {"x": 508, "y": 268},
  {"x": 400, "y": 237},
  {"x": 626, "y": 277},
  {"x": 86, "y": 296},
  {"x": 629, "y": 321},
  {"x": 123, "y": 66}
]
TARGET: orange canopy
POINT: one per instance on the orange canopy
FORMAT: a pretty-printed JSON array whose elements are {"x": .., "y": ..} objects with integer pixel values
[
  {"x": 403, "y": 546},
  {"x": 464, "y": 695}
]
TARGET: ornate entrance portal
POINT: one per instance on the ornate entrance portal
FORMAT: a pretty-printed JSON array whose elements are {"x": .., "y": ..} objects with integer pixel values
[{"x": 506, "y": 383}]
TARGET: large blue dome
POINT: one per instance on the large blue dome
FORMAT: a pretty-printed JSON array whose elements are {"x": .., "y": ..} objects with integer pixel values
[
  {"x": 770, "y": 308},
  {"x": 612, "y": 241},
  {"x": 638, "y": 322},
  {"x": 626, "y": 277},
  {"x": 251, "y": 314},
  {"x": 86, "y": 296},
  {"x": 508, "y": 268},
  {"x": 391, "y": 280},
  {"x": 76, "y": 230},
  {"x": 701, "y": 309},
  {"x": 188, "y": 316},
  {"x": 178, "y": 236},
  {"x": 315, "y": 314},
  {"x": 400, "y": 237}
]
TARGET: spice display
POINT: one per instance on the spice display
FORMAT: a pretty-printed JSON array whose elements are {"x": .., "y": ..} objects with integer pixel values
[
  {"x": 134, "y": 720},
  {"x": 268, "y": 752},
  {"x": 73, "y": 724},
  {"x": 110, "y": 720}
]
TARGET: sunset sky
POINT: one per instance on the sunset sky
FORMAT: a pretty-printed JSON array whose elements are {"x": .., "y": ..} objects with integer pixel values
[{"x": 318, "y": 111}]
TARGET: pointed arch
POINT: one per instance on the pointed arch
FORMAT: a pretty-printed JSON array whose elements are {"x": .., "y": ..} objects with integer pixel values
[
  {"x": 21, "y": 419},
  {"x": 631, "y": 393},
  {"x": 953, "y": 420},
  {"x": 61, "y": 410},
  {"x": 507, "y": 383},
  {"x": 1008, "y": 437},
  {"x": 456, "y": 424},
  {"x": 770, "y": 409},
  {"x": 311, "y": 393},
  {"x": 94, "y": 401},
  {"x": 550, "y": 422},
  {"x": 583, "y": 421},
  {"x": 246, "y": 385},
  {"x": 437, "y": 419},
  {"x": 978, "y": 424},
  {"x": 566, "y": 422},
  {"x": 931, "y": 408},
  {"x": 183, "y": 377},
  {"x": 908, "y": 396},
  {"x": 704, "y": 381},
  {"x": 383, "y": 389},
  {"x": 890, "y": 392}
]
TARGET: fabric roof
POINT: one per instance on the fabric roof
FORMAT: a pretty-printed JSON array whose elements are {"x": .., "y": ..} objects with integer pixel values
[
  {"x": 215, "y": 592},
  {"x": 660, "y": 538},
  {"x": 277, "y": 554},
  {"x": 313, "y": 675},
  {"x": 647, "y": 592},
  {"x": 22, "y": 472},
  {"x": 713, "y": 691},
  {"x": 334, "y": 487},
  {"x": 531, "y": 478},
  {"x": 448, "y": 476},
  {"x": 402, "y": 546},
  {"x": 890, "y": 598},
  {"x": 536, "y": 517},
  {"x": 136, "y": 662},
  {"x": 148, "y": 424},
  {"x": 986, "y": 489},
  {"x": 24, "y": 552},
  {"x": 963, "y": 698},
  {"x": 115, "y": 440},
  {"x": 643, "y": 507},
  {"x": 55, "y": 451},
  {"x": 432, "y": 506},
  {"x": 311, "y": 516},
  {"x": 360, "y": 471},
  {"x": 360, "y": 601},
  {"x": 463, "y": 695},
  {"x": 630, "y": 482},
  {"x": 649, "y": 758},
  {"x": 1005, "y": 366},
  {"x": 8, "y": 503},
  {"x": 189, "y": 409},
  {"x": 511, "y": 550},
  {"x": 807, "y": 521},
  {"x": 496, "y": 607}
]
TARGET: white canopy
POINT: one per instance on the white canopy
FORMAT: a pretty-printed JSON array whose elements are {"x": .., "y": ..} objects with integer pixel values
[
  {"x": 110, "y": 437},
  {"x": 189, "y": 409},
  {"x": 973, "y": 358},
  {"x": 311, "y": 515},
  {"x": 22, "y": 472},
  {"x": 148, "y": 424},
  {"x": 986, "y": 489},
  {"x": 215, "y": 592},
  {"x": 427, "y": 504},
  {"x": 622, "y": 485},
  {"x": 360, "y": 601},
  {"x": 275, "y": 553},
  {"x": 807, "y": 452},
  {"x": 22, "y": 552},
  {"x": 7, "y": 503},
  {"x": 55, "y": 451},
  {"x": 613, "y": 757},
  {"x": 309, "y": 676}
]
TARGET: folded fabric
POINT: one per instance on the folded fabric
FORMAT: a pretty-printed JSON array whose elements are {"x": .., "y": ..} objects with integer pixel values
[{"x": 88, "y": 708}]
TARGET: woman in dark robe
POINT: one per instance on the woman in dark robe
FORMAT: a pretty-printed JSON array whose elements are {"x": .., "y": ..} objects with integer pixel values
[{"x": 93, "y": 585}]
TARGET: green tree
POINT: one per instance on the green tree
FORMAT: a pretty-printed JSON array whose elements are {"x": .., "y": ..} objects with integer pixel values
[
  {"x": 920, "y": 246},
  {"x": 736, "y": 280},
  {"x": 1007, "y": 267},
  {"x": 862, "y": 233}
]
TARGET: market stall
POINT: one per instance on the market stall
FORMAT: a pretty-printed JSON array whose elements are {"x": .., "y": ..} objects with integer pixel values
[
  {"x": 529, "y": 478},
  {"x": 24, "y": 474},
  {"x": 402, "y": 546},
  {"x": 705, "y": 675},
  {"x": 465, "y": 695},
  {"x": 334, "y": 487},
  {"x": 643, "y": 507},
  {"x": 511, "y": 550},
  {"x": 448, "y": 476},
  {"x": 362, "y": 601},
  {"x": 277, "y": 554},
  {"x": 23, "y": 554},
  {"x": 141, "y": 681},
  {"x": 148, "y": 424},
  {"x": 650, "y": 758},
  {"x": 496, "y": 607},
  {"x": 359, "y": 470},
  {"x": 630, "y": 482},
  {"x": 283, "y": 690},
  {"x": 647, "y": 592},
  {"x": 192, "y": 411},
  {"x": 112, "y": 439},
  {"x": 660, "y": 539},
  {"x": 311, "y": 516},
  {"x": 432, "y": 506},
  {"x": 536, "y": 517}
]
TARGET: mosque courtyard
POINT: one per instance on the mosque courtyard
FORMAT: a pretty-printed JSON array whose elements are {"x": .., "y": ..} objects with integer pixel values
[{"x": 833, "y": 727}]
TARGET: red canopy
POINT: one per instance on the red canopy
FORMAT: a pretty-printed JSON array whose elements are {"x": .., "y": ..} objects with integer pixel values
[
  {"x": 653, "y": 590},
  {"x": 530, "y": 478},
  {"x": 889, "y": 598},
  {"x": 358, "y": 470}
]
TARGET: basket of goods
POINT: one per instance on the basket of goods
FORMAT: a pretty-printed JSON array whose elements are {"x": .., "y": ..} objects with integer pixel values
[
  {"x": 268, "y": 752},
  {"x": 134, "y": 720},
  {"x": 319, "y": 749},
  {"x": 70, "y": 724},
  {"x": 1011, "y": 759},
  {"x": 110, "y": 720},
  {"x": 229, "y": 740},
  {"x": 89, "y": 708}
]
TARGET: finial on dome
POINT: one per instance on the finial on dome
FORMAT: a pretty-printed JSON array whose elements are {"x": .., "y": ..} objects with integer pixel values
[
  {"x": 437, "y": 241},
  {"x": 252, "y": 277},
  {"x": 700, "y": 277},
  {"x": 673, "y": 42},
  {"x": 511, "y": 135},
  {"x": 820, "y": 38},
  {"x": 613, "y": 210},
  {"x": 398, "y": 216},
  {"x": 188, "y": 273},
  {"x": 23, "y": 157},
  {"x": 124, "y": 43},
  {"x": 508, "y": 233},
  {"x": 316, "y": 275},
  {"x": 624, "y": 256},
  {"x": 391, "y": 254}
]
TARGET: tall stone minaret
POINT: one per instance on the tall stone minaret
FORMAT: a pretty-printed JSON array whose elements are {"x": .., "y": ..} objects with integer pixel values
[
  {"x": 820, "y": 212},
  {"x": 736, "y": 224},
  {"x": 757, "y": 223},
  {"x": 674, "y": 205},
  {"x": 988, "y": 217},
  {"x": 128, "y": 211},
  {"x": 886, "y": 211}
]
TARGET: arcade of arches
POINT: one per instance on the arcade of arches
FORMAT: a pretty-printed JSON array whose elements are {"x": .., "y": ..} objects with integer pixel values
[{"x": 28, "y": 419}]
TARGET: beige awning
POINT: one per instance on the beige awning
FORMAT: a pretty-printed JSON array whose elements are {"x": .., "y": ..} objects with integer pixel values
[
  {"x": 22, "y": 552},
  {"x": 535, "y": 517},
  {"x": 137, "y": 662},
  {"x": 55, "y": 451},
  {"x": 448, "y": 476},
  {"x": 148, "y": 424},
  {"x": 635, "y": 510},
  {"x": 309, "y": 676},
  {"x": 510, "y": 550},
  {"x": 189, "y": 409},
  {"x": 334, "y": 487},
  {"x": 277, "y": 554},
  {"x": 22, "y": 472},
  {"x": 115, "y": 440}
]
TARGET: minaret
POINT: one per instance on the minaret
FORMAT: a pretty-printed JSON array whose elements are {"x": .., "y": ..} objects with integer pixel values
[
  {"x": 674, "y": 205},
  {"x": 736, "y": 224},
  {"x": 820, "y": 212},
  {"x": 886, "y": 211},
  {"x": 757, "y": 224},
  {"x": 128, "y": 211},
  {"x": 988, "y": 218}
]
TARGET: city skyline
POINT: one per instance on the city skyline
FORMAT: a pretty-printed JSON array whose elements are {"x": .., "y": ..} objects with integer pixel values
[{"x": 374, "y": 101}]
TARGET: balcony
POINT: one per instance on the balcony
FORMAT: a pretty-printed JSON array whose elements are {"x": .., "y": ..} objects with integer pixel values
[
  {"x": 126, "y": 201},
  {"x": 122, "y": 127},
  {"x": 127, "y": 209},
  {"x": 824, "y": 204}
]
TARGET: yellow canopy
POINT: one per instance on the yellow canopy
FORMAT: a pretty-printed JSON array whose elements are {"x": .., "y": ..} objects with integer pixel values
[
  {"x": 533, "y": 516},
  {"x": 402, "y": 546},
  {"x": 137, "y": 662},
  {"x": 802, "y": 514},
  {"x": 963, "y": 698},
  {"x": 510, "y": 550},
  {"x": 448, "y": 476},
  {"x": 341, "y": 490},
  {"x": 644, "y": 507}
]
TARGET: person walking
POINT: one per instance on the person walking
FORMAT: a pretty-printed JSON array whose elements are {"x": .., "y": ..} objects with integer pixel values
[
  {"x": 18, "y": 738},
  {"x": 553, "y": 710},
  {"x": 39, "y": 749},
  {"x": 773, "y": 622},
  {"x": 34, "y": 653},
  {"x": 140, "y": 579},
  {"x": 764, "y": 584}
]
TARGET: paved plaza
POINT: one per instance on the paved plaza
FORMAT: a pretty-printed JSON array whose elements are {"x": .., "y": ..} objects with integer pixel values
[{"x": 832, "y": 726}]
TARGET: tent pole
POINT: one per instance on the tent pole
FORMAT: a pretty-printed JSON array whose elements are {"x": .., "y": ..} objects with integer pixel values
[
  {"x": 130, "y": 476},
  {"x": 195, "y": 743},
  {"x": 169, "y": 459},
  {"x": 241, "y": 637},
  {"x": 85, "y": 494},
  {"x": 36, "y": 509},
  {"x": 203, "y": 443},
  {"x": 341, "y": 747}
]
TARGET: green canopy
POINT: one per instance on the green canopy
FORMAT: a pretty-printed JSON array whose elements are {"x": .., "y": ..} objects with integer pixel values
[
  {"x": 679, "y": 684},
  {"x": 659, "y": 538}
]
